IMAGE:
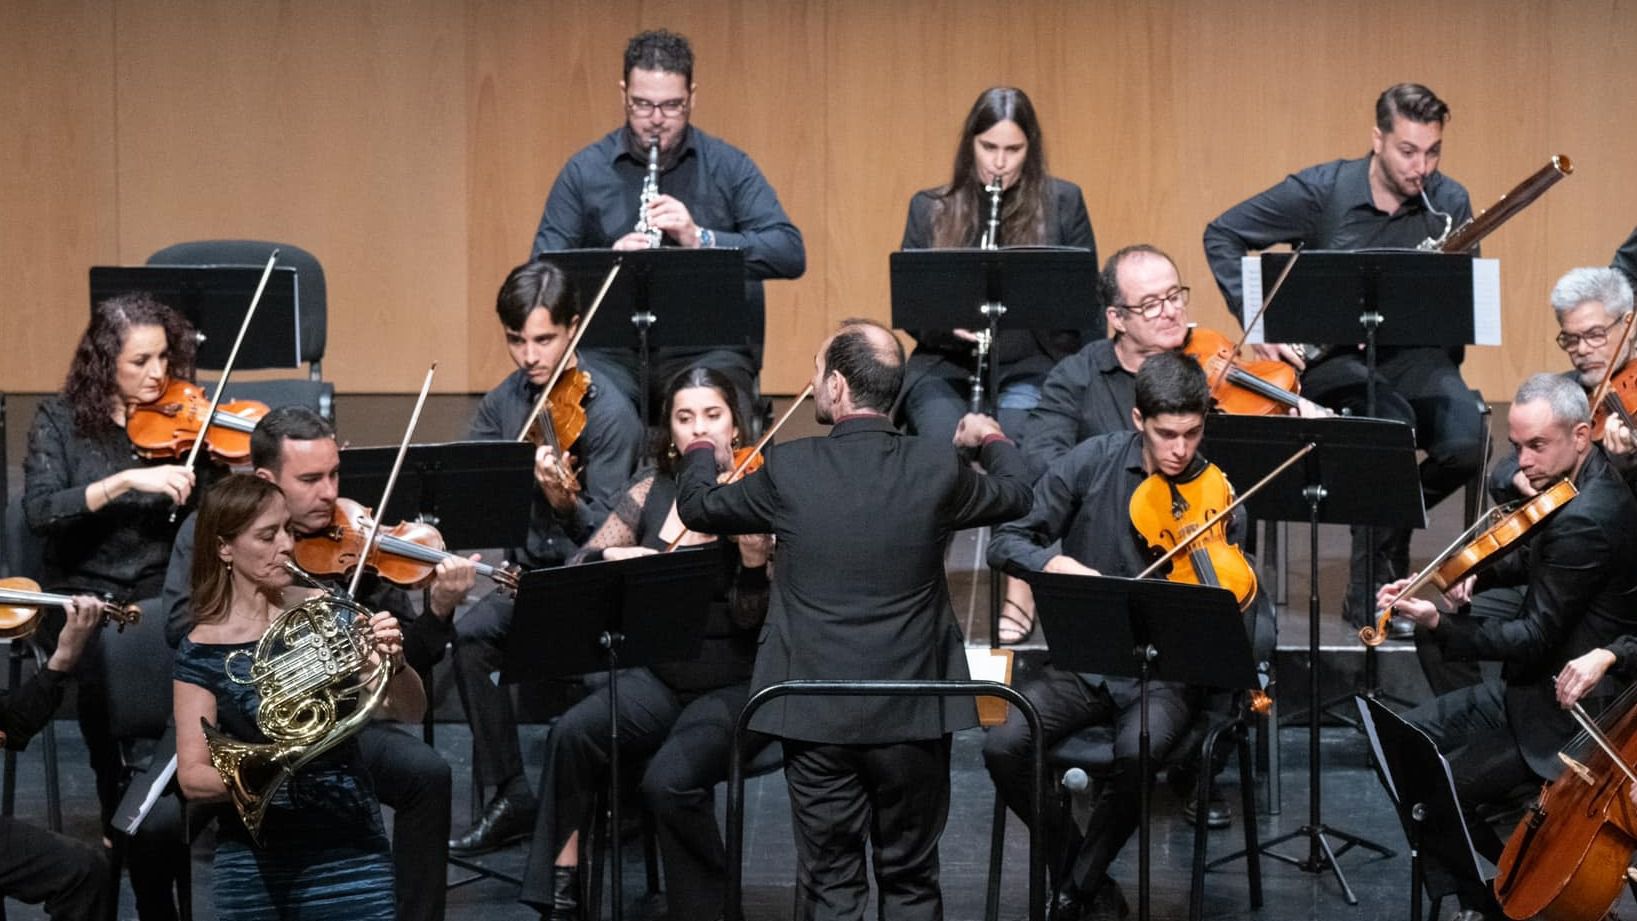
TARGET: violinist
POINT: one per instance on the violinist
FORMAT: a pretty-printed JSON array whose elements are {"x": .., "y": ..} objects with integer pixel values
[
  {"x": 1578, "y": 573},
  {"x": 103, "y": 516},
  {"x": 1591, "y": 305},
  {"x": 1392, "y": 197},
  {"x": 679, "y": 717},
  {"x": 1000, "y": 142},
  {"x": 862, "y": 517},
  {"x": 539, "y": 311},
  {"x": 1083, "y": 502},
  {"x": 295, "y": 449},
  {"x": 68, "y": 877}
]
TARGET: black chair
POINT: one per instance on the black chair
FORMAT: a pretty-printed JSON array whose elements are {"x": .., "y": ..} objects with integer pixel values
[
  {"x": 139, "y": 667},
  {"x": 312, "y": 391},
  {"x": 1092, "y": 751},
  {"x": 1474, "y": 495},
  {"x": 21, "y": 554}
]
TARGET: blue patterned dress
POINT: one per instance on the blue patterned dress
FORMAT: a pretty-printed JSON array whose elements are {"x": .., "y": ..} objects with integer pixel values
[{"x": 324, "y": 853}]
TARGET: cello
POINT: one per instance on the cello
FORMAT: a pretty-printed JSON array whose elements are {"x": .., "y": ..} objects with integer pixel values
[{"x": 1567, "y": 858}]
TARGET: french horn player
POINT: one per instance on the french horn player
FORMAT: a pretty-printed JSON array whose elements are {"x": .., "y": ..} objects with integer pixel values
[{"x": 278, "y": 677}]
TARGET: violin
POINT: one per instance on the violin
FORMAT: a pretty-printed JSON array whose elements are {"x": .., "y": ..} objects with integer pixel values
[
  {"x": 169, "y": 426},
  {"x": 562, "y": 419},
  {"x": 1617, "y": 392},
  {"x": 21, "y": 601},
  {"x": 1498, "y": 532},
  {"x": 1170, "y": 512},
  {"x": 1247, "y": 388},
  {"x": 747, "y": 460},
  {"x": 405, "y": 554},
  {"x": 1567, "y": 858}
]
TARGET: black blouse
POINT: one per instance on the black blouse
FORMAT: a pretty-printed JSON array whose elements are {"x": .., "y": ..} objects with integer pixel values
[{"x": 120, "y": 550}]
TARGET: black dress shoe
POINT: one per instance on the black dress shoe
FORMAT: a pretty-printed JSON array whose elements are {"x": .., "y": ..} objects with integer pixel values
[
  {"x": 505, "y": 821},
  {"x": 1218, "y": 815},
  {"x": 565, "y": 895}
]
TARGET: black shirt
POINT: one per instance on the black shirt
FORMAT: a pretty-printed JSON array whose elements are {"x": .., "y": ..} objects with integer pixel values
[
  {"x": 1082, "y": 500},
  {"x": 1088, "y": 393},
  {"x": 594, "y": 202},
  {"x": 607, "y": 450},
  {"x": 1328, "y": 206},
  {"x": 120, "y": 550},
  {"x": 1625, "y": 258}
]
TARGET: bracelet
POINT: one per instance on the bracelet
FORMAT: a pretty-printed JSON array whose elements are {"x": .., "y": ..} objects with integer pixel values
[{"x": 107, "y": 498}]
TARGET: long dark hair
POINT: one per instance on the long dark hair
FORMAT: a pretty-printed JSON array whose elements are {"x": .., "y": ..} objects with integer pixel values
[
  {"x": 698, "y": 376},
  {"x": 231, "y": 505},
  {"x": 962, "y": 205},
  {"x": 92, "y": 383}
]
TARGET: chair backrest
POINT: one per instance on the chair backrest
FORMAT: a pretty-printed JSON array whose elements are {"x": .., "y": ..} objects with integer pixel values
[
  {"x": 21, "y": 553},
  {"x": 310, "y": 287},
  {"x": 139, "y": 664}
]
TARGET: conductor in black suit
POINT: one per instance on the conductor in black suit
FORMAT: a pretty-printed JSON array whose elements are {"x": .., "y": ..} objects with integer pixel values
[
  {"x": 860, "y": 518},
  {"x": 1578, "y": 572}
]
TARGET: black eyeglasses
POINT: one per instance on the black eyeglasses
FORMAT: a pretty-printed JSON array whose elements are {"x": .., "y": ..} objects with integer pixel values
[
  {"x": 1593, "y": 337},
  {"x": 1150, "y": 307},
  {"x": 671, "y": 108}
]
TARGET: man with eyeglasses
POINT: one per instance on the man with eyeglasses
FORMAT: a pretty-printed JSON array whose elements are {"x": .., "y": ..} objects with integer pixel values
[
  {"x": 1092, "y": 391},
  {"x": 1590, "y": 304},
  {"x": 1394, "y": 197},
  {"x": 711, "y": 195}
]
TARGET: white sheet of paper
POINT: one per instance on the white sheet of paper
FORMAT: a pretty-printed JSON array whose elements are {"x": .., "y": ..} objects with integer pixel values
[
  {"x": 1250, "y": 274},
  {"x": 1486, "y": 302},
  {"x": 984, "y": 666}
]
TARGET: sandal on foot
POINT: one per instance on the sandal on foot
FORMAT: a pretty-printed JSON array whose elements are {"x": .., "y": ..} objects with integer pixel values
[{"x": 1014, "y": 628}]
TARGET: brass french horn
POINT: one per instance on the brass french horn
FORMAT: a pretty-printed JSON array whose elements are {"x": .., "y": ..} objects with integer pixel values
[{"x": 309, "y": 668}]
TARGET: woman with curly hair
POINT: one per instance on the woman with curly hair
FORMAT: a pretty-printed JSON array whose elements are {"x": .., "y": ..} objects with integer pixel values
[{"x": 101, "y": 513}]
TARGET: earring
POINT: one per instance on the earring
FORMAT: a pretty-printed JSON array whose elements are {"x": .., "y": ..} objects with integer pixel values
[
  {"x": 671, "y": 452},
  {"x": 228, "y": 565}
]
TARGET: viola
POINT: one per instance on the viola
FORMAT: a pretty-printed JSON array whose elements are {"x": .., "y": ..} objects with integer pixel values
[
  {"x": 169, "y": 426},
  {"x": 405, "y": 554},
  {"x": 1169, "y": 512},
  {"x": 1247, "y": 388},
  {"x": 21, "y": 601},
  {"x": 1497, "y": 533},
  {"x": 1567, "y": 858},
  {"x": 1620, "y": 401}
]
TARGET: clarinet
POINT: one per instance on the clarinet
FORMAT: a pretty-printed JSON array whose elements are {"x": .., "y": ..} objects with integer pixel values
[
  {"x": 991, "y": 236},
  {"x": 650, "y": 191}
]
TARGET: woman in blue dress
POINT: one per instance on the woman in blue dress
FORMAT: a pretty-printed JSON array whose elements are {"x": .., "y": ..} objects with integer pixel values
[{"x": 322, "y": 850}]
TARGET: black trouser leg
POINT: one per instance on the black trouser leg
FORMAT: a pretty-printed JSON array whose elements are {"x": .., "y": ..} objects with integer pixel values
[
  {"x": 908, "y": 789},
  {"x": 497, "y": 757},
  {"x": 413, "y": 780},
  {"x": 577, "y": 764},
  {"x": 70, "y": 878}
]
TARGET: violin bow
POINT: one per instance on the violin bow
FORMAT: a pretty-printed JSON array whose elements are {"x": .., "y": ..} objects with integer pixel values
[
  {"x": 1602, "y": 391},
  {"x": 373, "y": 534},
  {"x": 1227, "y": 510},
  {"x": 1256, "y": 317},
  {"x": 739, "y": 470},
  {"x": 573, "y": 343},
  {"x": 227, "y": 369}
]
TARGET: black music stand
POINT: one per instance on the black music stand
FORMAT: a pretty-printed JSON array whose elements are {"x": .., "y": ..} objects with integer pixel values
[
  {"x": 606, "y": 616},
  {"x": 667, "y": 298},
  {"x": 1146, "y": 629},
  {"x": 213, "y": 299},
  {"x": 1014, "y": 288},
  {"x": 1362, "y": 471},
  {"x": 1418, "y": 780},
  {"x": 476, "y": 493},
  {"x": 1380, "y": 298}
]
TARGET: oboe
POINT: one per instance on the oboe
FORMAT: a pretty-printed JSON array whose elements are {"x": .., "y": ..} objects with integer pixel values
[
  {"x": 650, "y": 192},
  {"x": 991, "y": 238}
]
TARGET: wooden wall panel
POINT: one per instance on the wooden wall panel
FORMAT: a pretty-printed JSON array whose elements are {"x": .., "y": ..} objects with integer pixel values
[
  {"x": 411, "y": 146},
  {"x": 57, "y": 164},
  {"x": 340, "y": 128}
]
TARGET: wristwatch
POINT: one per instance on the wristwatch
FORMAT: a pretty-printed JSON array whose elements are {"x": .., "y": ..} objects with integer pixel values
[{"x": 707, "y": 240}]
